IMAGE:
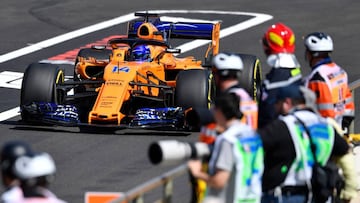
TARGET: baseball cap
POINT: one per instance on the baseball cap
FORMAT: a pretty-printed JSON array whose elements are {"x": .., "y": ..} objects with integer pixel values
[
  {"x": 291, "y": 91},
  {"x": 298, "y": 92}
]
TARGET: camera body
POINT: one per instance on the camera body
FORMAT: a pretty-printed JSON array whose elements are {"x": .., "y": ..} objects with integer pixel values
[{"x": 173, "y": 151}]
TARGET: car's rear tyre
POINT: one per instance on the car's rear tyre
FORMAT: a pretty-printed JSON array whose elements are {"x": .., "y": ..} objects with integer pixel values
[
  {"x": 84, "y": 105},
  {"x": 194, "y": 88},
  {"x": 39, "y": 85},
  {"x": 98, "y": 54},
  {"x": 251, "y": 75}
]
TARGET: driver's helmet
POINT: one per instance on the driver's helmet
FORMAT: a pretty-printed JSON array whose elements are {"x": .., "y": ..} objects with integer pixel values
[{"x": 141, "y": 53}]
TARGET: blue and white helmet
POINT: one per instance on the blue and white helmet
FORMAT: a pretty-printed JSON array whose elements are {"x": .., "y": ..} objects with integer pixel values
[
  {"x": 319, "y": 42},
  {"x": 141, "y": 53},
  {"x": 10, "y": 152},
  {"x": 227, "y": 61},
  {"x": 30, "y": 167},
  {"x": 226, "y": 64}
]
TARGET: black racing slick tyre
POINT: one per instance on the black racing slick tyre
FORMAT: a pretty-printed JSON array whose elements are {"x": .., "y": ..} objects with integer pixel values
[
  {"x": 84, "y": 105},
  {"x": 194, "y": 88},
  {"x": 39, "y": 85},
  {"x": 251, "y": 75},
  {"x": 98, "y": 54}
]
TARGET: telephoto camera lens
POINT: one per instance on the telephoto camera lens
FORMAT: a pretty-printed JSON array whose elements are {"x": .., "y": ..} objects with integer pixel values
[{"x": 173, "y": 151}]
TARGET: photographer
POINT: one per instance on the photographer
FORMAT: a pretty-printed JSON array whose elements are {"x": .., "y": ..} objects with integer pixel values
[
  {"x": 10, "y": 151},
  {"x": 236, "y": 162},
  {"x": 227, "y": 68},
  {"x": 35, "y": 173},
  {"x": 288, "y": 147}
]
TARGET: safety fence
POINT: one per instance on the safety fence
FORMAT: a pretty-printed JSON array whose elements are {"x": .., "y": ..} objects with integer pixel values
[
  {"x": 165, "y": 180},
  {"x": 136, "y": 195}
]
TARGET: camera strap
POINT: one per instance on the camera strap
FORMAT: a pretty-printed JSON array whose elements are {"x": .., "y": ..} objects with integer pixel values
[
  {"x": 313, "y": 152},
  {"x": 312, "y": 145}
]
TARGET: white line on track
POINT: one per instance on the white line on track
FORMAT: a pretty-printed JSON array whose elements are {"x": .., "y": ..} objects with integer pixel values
[
  {"x": 10, "y": 79},
  {"x": 257, "y": 19},
  {"x": 9, "y": 113},
  {"x": 65, "y": 37}
]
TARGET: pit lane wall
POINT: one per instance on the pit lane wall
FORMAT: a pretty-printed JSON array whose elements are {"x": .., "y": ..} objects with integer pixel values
[{"x": 166, "y": 180}]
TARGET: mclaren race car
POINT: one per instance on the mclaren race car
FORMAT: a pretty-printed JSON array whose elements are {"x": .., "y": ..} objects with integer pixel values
[{"x": 134, "y": 81}]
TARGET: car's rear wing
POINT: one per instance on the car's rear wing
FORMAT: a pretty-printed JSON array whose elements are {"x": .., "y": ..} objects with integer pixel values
[{"x": 180, "y": 28}]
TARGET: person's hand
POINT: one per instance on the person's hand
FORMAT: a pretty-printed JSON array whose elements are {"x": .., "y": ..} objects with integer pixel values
[
  {"x": 346, "y": 122},
  {"x": 194, "y": 166}
]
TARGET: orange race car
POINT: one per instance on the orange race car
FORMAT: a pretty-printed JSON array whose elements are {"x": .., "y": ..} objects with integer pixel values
[{"x": 132, "y": 81}]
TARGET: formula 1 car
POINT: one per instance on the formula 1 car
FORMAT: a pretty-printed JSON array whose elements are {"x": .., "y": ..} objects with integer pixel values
[{"x": 112, "y": 86}]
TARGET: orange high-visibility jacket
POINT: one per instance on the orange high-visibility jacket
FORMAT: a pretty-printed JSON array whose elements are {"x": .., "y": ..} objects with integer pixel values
[
  {"x": 330, "y": 83},
  {"x": 248, "y": 107}
]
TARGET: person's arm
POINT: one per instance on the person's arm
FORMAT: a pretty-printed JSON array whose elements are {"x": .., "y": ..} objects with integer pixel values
[
  {"x": 224, "y": 163},
  {"x": 345, "y": 160},
  {"x": 349, "y": 113},
  {"x": 195, "y": 170},
  {"x": 341, "y": 147},
  {"x": 349, "y": 102},
  {"x": 346, "y": 163},
  {"x": 323, "y": 96},
  {"x": 217, "y": 181}
]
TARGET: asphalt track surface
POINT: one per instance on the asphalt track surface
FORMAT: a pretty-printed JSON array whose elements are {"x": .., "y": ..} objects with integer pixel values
[{"x": 118, "y": 162}]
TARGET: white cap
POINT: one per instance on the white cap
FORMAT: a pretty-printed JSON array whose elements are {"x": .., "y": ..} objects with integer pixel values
[
  {"x": 319, "y": 41},
  {"x": 26, "y": 167},
  {"x": 225, "y": 61}
]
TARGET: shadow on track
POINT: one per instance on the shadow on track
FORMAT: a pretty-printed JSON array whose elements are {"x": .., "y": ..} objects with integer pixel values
[{"x": 95, "y": 129}]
